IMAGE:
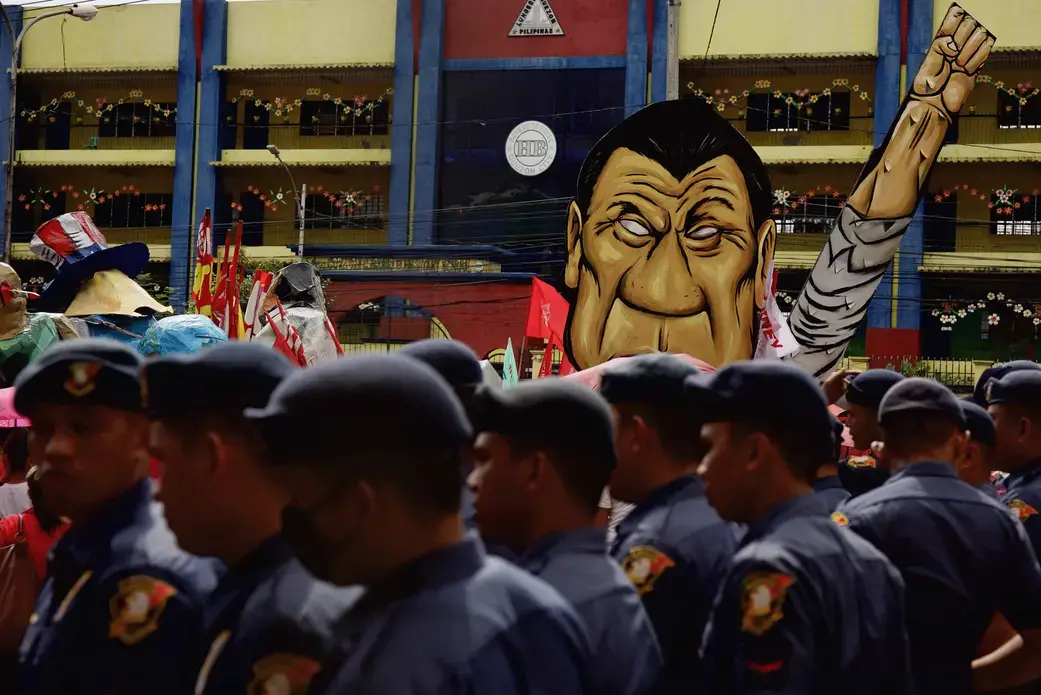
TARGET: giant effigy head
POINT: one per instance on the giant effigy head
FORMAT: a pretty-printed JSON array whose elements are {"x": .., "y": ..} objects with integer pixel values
[{"x": 669, "y": 239}]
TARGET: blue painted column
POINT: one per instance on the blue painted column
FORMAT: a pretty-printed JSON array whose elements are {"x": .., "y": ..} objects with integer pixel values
[
  {"x": 660, "y": 51},
  {"x": 401, "y": 133},
  {"x": 211, "y": 113},
  {"x": 636, "y": 58},
  {"x": 428, "y": 117},
  {"x": 909, "y": 287},
  {"x": 887, "y": 104},
  {"x": 184, "y": 149},
  {"x": 15, "y": 13}
]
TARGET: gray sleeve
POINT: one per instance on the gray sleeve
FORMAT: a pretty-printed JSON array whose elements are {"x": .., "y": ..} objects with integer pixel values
[{"x": 836, "y": 295}]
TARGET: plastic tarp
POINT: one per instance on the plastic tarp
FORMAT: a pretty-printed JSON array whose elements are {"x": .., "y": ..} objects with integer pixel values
[{"x": 180, "y": 334}]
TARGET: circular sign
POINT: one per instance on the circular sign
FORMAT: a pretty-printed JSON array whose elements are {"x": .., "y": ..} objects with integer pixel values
[{"x": 531, "y": 148}]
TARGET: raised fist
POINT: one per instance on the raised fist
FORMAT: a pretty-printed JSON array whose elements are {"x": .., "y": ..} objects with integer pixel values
[{"x": 956, "y": 56}]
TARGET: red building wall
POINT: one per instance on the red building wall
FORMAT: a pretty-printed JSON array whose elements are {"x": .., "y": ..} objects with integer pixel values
[
  {"x": 482, "y": 315},
  {"x": 480, "y": 28}
]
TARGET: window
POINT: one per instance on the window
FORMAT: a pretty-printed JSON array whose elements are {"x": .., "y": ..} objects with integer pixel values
[
  {"x": 1015, "y": 215},
  {"x": 1017, "y": 112},
  {"x": 769, "y": 113},
  {"x": 325, "y": 213},
  {"x": 941, "y": 221},
  {"x": 139, "y": 121},
  {"x": 327, "y": 118},
  {"x": 814, "y": 215},
  {"x": 137, "y": 210}
]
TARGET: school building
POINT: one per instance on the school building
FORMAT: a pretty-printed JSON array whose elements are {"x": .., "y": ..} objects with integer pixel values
[{"x": 395, "y": 115}]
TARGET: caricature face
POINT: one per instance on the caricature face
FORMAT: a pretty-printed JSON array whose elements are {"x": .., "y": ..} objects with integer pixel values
[{"x": 675, "y": 265}]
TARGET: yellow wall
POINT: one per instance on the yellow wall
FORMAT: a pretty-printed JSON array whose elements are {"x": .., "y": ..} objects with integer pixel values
[
  {"x": 1013, "y": 22},
  {"x": 280, "y": 228},
  {"x": 137, "y": 35},
  {"x": 861, "y": 122},
  {"x": 780, "y": 27},
  {"x": 311, "y": 33},
  {"x": 107, "y": 179}
]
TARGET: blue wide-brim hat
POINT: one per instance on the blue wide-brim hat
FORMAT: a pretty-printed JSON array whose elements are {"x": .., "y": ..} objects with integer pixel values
[{"x": 74, "y": 245}]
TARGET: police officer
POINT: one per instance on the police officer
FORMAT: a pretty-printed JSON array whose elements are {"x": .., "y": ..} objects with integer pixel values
[
  {"x": 543, "y": 455},
  {"x": 268, "y": 620},
  {"x": 805, "y": 608},
  {"x": 375, "y": 507},
  {"x": 827, "y": 485},
  {"x": 962, "y": 556},
  {"x": 864, "y": 392},
  {"x": 458, "y": 365},
  {"x": 1015, "y": 404},
  {"x": 977, "y": 465},
  {"x": 121, "y": 602},
  {"x": 673, "y": 545}
]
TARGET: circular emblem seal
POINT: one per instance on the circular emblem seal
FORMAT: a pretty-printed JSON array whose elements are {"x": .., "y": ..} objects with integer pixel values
[{"x": 531, "y": 148}]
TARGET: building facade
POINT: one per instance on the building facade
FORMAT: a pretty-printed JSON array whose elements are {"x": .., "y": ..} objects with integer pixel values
[{"x": 395, "y": 115}]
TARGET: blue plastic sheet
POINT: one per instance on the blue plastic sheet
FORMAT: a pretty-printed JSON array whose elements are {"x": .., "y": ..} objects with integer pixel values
[{"x": 180, "y": 334}]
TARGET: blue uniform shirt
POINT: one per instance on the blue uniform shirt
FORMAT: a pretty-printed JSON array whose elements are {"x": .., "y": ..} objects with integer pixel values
[
  {"x": 267, "y": 619},
  {"x": 626, "y": 657},
  {"x": 963, "y": 558},
  {"x": 120, "y": 609},
  {"x": 676, "y": 550},
  {"x": 807, "y": 609},
  {"x": 457, "y": 622},
  {"x": 1021, "y": 492},
  {"x": 830, "y": 490}
]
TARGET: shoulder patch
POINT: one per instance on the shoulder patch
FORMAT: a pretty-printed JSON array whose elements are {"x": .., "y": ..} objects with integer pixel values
[
  {"x": 762, "y": 600},
  {"x": 643, "y": 565},
  {"x": 1023, "y": 510},
  {"x": 840, "y": 519},
  {"x": 866, "y": 461},
  {"x": 136, "y": 608},
  {"x": 285, "y": 674}
]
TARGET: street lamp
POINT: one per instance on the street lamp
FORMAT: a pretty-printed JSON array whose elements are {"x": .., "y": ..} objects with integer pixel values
[
  {"x": 83, "y": 10},
  {"x": 277, "y": 154}
]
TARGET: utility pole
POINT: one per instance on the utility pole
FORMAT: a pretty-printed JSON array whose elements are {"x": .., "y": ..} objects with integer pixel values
[{"x": 672, "y": 74}]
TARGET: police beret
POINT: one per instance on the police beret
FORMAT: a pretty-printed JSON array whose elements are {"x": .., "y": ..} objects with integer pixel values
[
  {"x": 226, "y": 378},
  {"x": 920, "y": 396},
  {"x": 454, "y": 361},
  {"x": 335, "y": 405},
  {"x": 764, "y": 392},
  {"x": 980, "y": 423},
  {"x": 649, "y": 379},
  {"x": 868, "y": 388},
  {"x": 1021, "y": 387},
  {"x": 979, "y": 394},
  {"x": 553, "y": 411},
  {"x": 88, "y": 371}
]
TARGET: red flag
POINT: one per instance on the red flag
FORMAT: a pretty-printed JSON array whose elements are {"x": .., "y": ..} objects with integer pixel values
[{"x": 547, "y": 312}]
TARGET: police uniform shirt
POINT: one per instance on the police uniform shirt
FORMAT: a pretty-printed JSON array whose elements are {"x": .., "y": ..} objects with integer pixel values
[
  {"x": 120, "y": 609},
  {"x": 457, "y": 622},
  {"x": 676, "y": 550},
  {"x": 807, "y": 609},
  {"x": 829, "y": 489},
  {"x": 268, "y": 624},
  {"x": 626, "y": 658},
  {"x": 962, "y": 556}
]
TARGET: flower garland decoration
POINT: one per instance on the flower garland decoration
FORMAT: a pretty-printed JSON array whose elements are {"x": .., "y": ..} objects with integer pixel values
[
  {"x": 1024, "y": 90},
  {"x": 785, "y": 200},
  {"x": 101, "y": 107},
  {"x": 339, "y": 199},
  {"x": 950, "y": 312},
  {"x": 722, "y": 98},
  {"x": 356, "y": 106}
]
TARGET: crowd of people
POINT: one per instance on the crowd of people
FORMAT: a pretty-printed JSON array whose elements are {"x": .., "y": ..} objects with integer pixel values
[{"x": 387, "y": 525}]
